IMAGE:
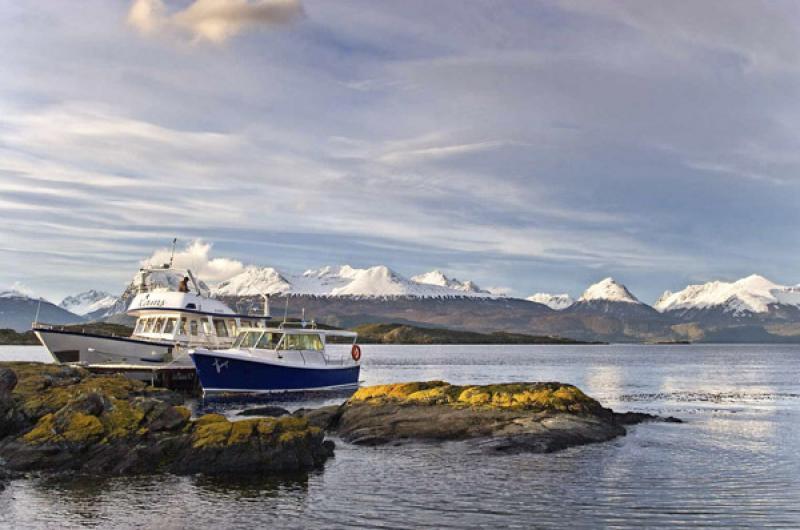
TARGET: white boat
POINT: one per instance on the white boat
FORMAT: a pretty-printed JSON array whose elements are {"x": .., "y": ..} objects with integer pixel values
[
  {"x": 169, "y": 323},
  {"x": 279, "y": 359}
]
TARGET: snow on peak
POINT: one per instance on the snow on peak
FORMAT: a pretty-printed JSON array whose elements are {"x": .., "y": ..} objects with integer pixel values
[
  {"x": 608, "y": 290},
  {"x": 344, "y": 281},
  {"x": 553, "y": 301},
  {"x": 12, "y": 293},
  {"x": 88, "y": 302},
  {"x": 254, "y": 281},
  {"x": 752, "y": 294},
  {"x": 374, "y": 281},
  {"x": 437, "y": 277}
]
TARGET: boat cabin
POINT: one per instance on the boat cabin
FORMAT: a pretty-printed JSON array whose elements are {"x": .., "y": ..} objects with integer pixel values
[
  {"x": 302, "y": 345},
  {"x": 187, "y": 317}
]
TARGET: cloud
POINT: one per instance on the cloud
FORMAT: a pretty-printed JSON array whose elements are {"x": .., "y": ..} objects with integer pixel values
[
  {"x": 213, "y": 20},
  {"x": 196, "y": 256},
  {"x": 539, "y": 145}
]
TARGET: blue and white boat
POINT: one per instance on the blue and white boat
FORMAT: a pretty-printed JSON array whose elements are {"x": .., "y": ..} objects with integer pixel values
[{"x": 281, "y": 359}]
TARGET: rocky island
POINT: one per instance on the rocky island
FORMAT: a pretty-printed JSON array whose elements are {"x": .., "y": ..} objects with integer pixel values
[
  {"x": 514, "y": 417},
  {"x": 62, "y": 418}
]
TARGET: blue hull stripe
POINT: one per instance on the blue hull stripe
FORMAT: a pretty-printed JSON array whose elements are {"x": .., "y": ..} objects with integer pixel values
[{"x": 224, "y": 374}]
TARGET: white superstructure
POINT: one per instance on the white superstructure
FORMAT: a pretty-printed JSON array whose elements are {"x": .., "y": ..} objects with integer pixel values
[{"x": 173, "y": 314}]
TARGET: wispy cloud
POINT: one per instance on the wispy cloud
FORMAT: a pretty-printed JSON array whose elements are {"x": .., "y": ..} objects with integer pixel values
[{"x": 529, "y": 144}]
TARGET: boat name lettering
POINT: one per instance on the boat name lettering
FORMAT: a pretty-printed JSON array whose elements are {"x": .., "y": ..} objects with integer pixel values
[{"x": 152, "y": 302}]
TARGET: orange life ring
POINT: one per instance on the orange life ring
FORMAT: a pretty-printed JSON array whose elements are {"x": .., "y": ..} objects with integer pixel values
[{"x": 355, "y": 352}]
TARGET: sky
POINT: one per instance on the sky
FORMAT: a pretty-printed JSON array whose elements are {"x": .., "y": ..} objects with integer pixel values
[{"x": 529, "y": 146}]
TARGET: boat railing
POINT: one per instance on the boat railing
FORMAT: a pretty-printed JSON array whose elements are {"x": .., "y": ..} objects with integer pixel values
[{"x": 61, "y": 327}]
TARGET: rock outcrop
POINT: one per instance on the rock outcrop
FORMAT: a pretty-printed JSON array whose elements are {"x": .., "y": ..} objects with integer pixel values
[
  {"x": 58, "y": 418},
  {"x": 517, "y": 417}
]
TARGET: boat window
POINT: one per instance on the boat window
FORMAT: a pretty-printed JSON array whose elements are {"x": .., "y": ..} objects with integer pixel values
[
  {"x": 139, "y": 326},
  {"x": 303, "y": 342},
  {"x": 247, "y": 339},
  {"x": 148, "y": 325},
  {"x": 193, "y": 327},
  {"x": 232, "y": 328},
  {"x": 182, "y": 327},
  {"x": 169, "y": 329},
  {"x": 269, "y": 341},
  {"x": 158, "y": 325},
  {"x": 207, "y": 327},
  {"x": 219, "y": 326}
]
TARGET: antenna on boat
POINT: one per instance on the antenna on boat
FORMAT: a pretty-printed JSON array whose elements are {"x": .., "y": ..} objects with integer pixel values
[
  {"x": 38, "y": 307},
  {"x": 286, "y": 311},
  {"x": 303, "y": 318},
  {"x": 172, "y": 256}
]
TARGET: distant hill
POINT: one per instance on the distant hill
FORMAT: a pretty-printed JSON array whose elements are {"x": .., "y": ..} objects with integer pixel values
[
  {"x": 18, "y": 311},
  {"x": 406, "y": 334}
]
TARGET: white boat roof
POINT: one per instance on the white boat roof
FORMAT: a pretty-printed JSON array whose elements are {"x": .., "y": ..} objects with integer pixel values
[
  {"x": 303, "y": 331},
  {"x": 177, "y": 301}
]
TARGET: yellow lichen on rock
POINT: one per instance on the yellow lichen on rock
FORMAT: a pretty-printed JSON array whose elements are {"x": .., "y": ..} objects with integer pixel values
[
  {"x": 266, "y": 426},
  {"x": 122, "y": 420},
  {"x": 290, "y": 423},
  {"x": 43, "y": 431},
  {"x": 183, "y": 411},
  {"x": 82, "y": 428},
  {"x": 395, "y": 391},
  {"x": 211, "y": 434},
  {"x": 242, "y": 431},
  {"x": 210, "y": 418},
  {"x": 75, "y": 427},
  {"x": 535, "y": 396}
]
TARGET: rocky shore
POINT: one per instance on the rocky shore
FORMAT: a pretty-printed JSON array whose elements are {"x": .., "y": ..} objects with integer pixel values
[
  {"x": 518, "y": 417},
  {"x": 61, "y": 418}
]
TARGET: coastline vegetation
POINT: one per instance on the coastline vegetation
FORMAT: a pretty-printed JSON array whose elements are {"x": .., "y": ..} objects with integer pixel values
[{"x": 407, "y": 334}]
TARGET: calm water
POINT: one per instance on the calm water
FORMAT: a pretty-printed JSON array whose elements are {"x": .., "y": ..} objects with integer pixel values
[{"x": 736, "y": 462}]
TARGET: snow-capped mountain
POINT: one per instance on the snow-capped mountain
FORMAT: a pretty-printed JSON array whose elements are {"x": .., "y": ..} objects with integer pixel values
[
  {"x": 437, "y": 277},
  {"x": 753, "y": 294},
  {"x": 18, "y": 311},
  {"x": 88, "y": 302},
  {"x": 553, "y": 301},
  {"x": 608, "y": 290},
  {"x": 610, "y": 298},
  {"x": 378, "y": 281}
]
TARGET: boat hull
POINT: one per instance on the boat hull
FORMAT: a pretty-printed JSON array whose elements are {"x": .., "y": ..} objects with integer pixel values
[
  {"x": 220, "y": 373},
  {"x": 76, "y": 347}
]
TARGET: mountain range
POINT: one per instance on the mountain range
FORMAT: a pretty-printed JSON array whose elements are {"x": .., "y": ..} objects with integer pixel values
[
  {"x": 346, "y": 281},
  {"x": 752, "y": 309}
]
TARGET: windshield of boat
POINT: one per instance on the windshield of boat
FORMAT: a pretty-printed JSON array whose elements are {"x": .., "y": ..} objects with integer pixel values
[
  {"x": 269, "y": 341},
  {"x": 247, "y": 339},
  {"x": 302, "y": 342}
]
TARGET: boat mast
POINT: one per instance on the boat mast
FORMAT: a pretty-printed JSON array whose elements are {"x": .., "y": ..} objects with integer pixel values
[{"x": 172, "y": 256}]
